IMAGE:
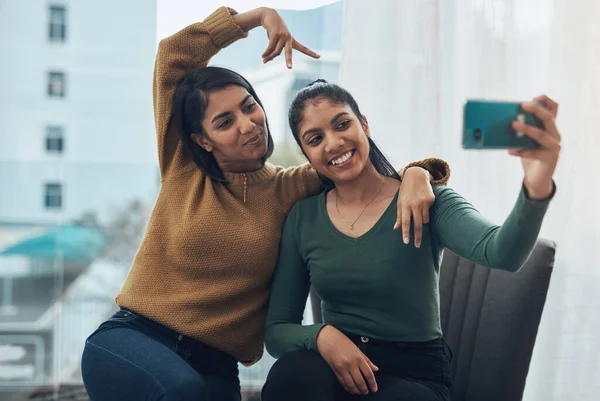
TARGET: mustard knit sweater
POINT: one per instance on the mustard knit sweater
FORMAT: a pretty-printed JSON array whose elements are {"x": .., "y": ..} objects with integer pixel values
[{"x": 205, "y": 264}]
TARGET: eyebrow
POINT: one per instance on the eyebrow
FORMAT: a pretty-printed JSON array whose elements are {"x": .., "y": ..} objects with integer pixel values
[
  {"x": 333, "y": 120},
  {"x": 226, "y": 113}
]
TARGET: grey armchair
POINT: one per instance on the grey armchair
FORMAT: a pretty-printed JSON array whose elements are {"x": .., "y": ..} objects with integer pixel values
[{"x": 490, "y": 319}]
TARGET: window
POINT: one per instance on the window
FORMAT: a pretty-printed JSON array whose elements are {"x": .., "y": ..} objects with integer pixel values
[
  {"x": 57, "y": 28},
  {"x": 54, "y": 139},
  {"x": 56, "y": 84},
  {"x": 53, "y": 196}
]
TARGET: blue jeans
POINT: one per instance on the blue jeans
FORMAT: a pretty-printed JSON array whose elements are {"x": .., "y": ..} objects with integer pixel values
[{"x": 130, "y": 357}]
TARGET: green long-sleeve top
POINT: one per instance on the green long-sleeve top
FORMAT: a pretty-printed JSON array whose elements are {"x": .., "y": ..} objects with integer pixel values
[{"x": 375, "y": 285}]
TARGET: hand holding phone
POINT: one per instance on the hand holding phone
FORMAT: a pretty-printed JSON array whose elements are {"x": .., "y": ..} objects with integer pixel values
[
  {"x": 488, "y": 125},
  {"x": 528, "y": 129}
]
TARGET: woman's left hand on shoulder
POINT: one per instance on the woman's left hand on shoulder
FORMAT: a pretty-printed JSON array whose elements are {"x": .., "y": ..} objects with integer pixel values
[
  {"x": 415, "y": 200},
  {"x": 539, "y": 164}
]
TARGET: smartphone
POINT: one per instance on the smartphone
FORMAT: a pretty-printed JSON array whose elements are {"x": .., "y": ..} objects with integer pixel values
[{"x": 488, "y": 125}]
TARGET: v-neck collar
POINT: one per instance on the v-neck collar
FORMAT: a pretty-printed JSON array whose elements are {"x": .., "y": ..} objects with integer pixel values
[{"x": 325, "y": 216}]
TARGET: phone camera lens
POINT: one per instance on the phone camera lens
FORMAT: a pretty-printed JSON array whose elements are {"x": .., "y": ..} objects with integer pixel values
[{"x": 477, "y": 134}]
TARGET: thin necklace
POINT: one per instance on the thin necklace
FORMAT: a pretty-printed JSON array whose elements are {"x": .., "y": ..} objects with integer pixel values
[{"x": 351, "y": 225}]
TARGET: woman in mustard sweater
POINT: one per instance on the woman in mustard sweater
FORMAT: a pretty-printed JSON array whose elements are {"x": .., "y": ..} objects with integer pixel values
[
  {"x": 194, "y": 303},
  {"x": 382, "y": 338}
]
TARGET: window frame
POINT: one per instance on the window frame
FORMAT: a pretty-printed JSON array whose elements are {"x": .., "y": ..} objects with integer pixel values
[
  {"x": 53, "y": 195},
  {"x": 57, "y": 75},
  {"x": 57, "y": 23},
  {"x": 55, "y": 139}
]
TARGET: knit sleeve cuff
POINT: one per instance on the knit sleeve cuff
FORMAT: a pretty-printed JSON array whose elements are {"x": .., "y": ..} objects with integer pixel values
[
  {"x": 438, "y": 168},
  {"x": 222, "y": 28}
]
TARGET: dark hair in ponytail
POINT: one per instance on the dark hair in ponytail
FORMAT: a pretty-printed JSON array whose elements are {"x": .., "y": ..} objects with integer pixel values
[{"x": 321, "y": 89}]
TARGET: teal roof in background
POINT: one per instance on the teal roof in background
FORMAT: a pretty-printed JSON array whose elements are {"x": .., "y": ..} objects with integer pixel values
[{"x": 68, "y": 242}]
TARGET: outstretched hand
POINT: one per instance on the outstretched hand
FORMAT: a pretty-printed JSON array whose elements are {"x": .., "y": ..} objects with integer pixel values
[
  {"x": 280, "y": 38},
  {"x": 539, "y": 164}
]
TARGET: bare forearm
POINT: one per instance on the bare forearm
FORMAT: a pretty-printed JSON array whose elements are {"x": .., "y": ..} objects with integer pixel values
[
  {"x": 437, "y": 168},
  {"x": 541, "y": 191},
  {"x": 421, "y": 170},
  {"x": 251, "y": 19}
]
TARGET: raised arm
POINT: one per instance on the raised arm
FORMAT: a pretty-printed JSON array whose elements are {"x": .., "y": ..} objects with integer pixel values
[
  {"x": 191, "y": 49},
  {"x": 462, "y": 229},
  {"x": 179, "y": 54}
]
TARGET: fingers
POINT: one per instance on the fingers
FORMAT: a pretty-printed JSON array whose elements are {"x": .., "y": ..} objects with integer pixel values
[
  {"x": 398, "y": 217},
  {"x": 303, "y": 49},
  {"x": 526, "y": 154},
  {"x": 278, "y": 42},
  {"x": 276, "y": 51},
  {"x": 371, "y": 364},
  {"x": 425, "y": 213},
  {"x": 354, "y": 376},
  {"x": 288, "y": 53},
  {"x": 342, "y": 381},
  {"x": 540, "y": 136},
  {"x": 417, "y": 217},
  {"x": 406, "y": 215},
  {"x": 540, "y": 112},
  {"x": 270, "y": 48},
  {"x": 545, "y": 115},
  {"x": 369, "y": 375},
  {"x": 353, "y": 369},
  {"x": 349, "y": 383},
  {"x": 359, "y": 379},
  {"x": 550, "y": 104}
]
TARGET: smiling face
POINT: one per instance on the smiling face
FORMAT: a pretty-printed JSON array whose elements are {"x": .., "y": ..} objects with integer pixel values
[
  {"x": 235, "y": 131},
  {"x": 334, "y": 139}
]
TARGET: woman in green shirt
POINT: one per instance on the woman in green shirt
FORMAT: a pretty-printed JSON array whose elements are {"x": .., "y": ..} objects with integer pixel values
[{"x": 382, "y": 333}]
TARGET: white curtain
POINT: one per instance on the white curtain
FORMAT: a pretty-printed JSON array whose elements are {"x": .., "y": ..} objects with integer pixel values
[{"x": 411, "y": 64}]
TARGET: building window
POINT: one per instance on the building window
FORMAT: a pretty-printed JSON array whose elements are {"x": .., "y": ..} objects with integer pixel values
[
  {"x": 56, "y": 84},
  {"x": 54, "y": 139},
  {"x": 57, "y": 28},
  {"x": 53, "y": 196}
]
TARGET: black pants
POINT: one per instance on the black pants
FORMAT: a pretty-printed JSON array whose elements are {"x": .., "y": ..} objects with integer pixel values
[{"x": 407, "y": 371}]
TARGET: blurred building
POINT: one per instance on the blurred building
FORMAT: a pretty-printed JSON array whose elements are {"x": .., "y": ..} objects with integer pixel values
[
  {"x": 78, "y": 158},
  {"x": 76, "y": 107},
  {"x": 76, "y": 143}
]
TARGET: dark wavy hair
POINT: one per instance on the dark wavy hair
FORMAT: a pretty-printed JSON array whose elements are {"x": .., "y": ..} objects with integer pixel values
[
  {"x": 189, "y": 106},
  {"x": 321, "y": 90}
]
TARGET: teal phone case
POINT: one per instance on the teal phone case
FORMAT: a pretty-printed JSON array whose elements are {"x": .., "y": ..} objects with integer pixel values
[{"x": 488, "y": 125}]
